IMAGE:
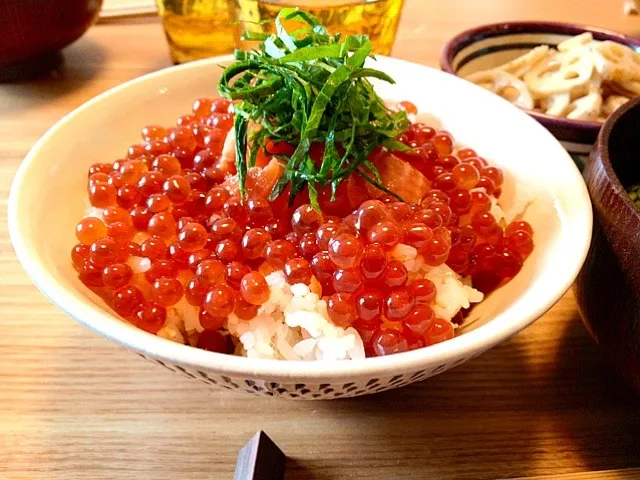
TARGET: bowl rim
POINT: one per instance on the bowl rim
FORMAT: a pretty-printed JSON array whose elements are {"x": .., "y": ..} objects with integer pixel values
[
  {"x": 459, "y": 348},
  {"x": 471, "y": 35},
  {"x": 602, "y": 156}
]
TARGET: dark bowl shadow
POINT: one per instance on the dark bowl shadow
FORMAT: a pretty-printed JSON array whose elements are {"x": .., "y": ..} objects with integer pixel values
[
  {"x": 602, "y": 422},
  {"x": 54, "y": 75}
]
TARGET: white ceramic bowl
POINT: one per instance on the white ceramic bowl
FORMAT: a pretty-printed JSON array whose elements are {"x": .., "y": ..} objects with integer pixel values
[{"x": 48, "y": 197}]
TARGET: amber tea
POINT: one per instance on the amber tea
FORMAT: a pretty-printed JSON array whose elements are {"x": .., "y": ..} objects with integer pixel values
[
  {"x": 197, "y": 28},
  {"x": 376, "y": 18}
]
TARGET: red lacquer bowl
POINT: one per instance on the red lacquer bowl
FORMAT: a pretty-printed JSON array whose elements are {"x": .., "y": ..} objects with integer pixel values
[{"x": 30, "y": 29}]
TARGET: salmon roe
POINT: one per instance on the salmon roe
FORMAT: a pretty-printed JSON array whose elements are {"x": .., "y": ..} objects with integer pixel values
[{"x": 169, "y": 228}]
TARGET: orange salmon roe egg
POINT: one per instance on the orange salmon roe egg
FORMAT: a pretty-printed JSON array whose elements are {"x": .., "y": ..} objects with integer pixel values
[
  {"x": 420, "y": 319},
  {"x": 254, "y": 288},
  {"x": 341, "y": 309},
  {"x": 167, "y": 291},
  {"x": 370, "y": 214},
  {"x": 166, "y": 164},
  {"x": 305, "y": 220},
  {"x": 132, "y": 170},
  {"x": 373, "y": 264},
  {"x": 192, "y": 237},
  {"x": 386, "y": 233},
  {"x": 149, "y": 317},
  {"x": 259, "y": 210},
  {"x": 210, "y": 272},
  {"x": 297, "y": 270},
  {"x": 439, "y": 331},
  {"x": 234, "y": 273},
  {"x": 153, "y": 132},
  {"x": 387, "y": 342},
  {"x": 322, "y": 267},
  {"x": 177, "y": 189},
  {"x": 227, "y": 251},
  {"x": 245, "y": 310},
  {"x": 117, "y": 275},
  {"x": 219, "y": 301},
  {"x": 161, "y": 268},
  {"x": 210, "y": 322},
  {"x": 346, "y": 250},
  {"x": 278, "y": 252},
  {"x": 120, "y": 232},
  {"x": 399, "y": 303},
  {"x": 80, "y": 256},
  {"x": 102, "y": 194},
  {"x": 116, "y": 214},
  {"x": 162, "y": 225},
  {"x": 90, "y": 229},
  {"x": 368, "y": 305},
  {"x": 200, "y": 254},
  {"x": 104, "y": 251},
  {"x": 254, "y": 243},
  {"x": 348, "y": 280},
  {"x": 126, "y": 300},
  {"x": 195, "y": 291}
]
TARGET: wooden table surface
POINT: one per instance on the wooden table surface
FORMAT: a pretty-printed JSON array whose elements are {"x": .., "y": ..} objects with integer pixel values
[{"x": 74, "y": 405}]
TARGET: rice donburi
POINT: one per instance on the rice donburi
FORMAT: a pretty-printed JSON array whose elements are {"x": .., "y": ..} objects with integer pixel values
[{"x": 298, "y": 216}]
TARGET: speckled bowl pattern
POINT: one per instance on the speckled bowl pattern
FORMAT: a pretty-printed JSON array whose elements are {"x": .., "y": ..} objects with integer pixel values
[
  {"x": 489, "y": 46},
  {"x": 48, "y": 198}
]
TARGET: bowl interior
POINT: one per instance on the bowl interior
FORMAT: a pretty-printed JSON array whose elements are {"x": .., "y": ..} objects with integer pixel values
[
  {"x": 49, "y": 197},
  {"x": 493, "y": 51},
  {"x": 624, "y": 147}
]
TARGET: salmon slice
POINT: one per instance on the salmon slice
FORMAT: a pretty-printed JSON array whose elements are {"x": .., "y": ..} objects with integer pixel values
[
  {"x": 227, "y": 161},
  {"x": 397, "y": 175},
  {"x": 259, "y": 181},
  {"x": 401, "y": 178}
]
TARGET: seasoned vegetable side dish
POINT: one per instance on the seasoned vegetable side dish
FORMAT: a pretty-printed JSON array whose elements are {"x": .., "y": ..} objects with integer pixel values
[{"x": 583, "y": 79}]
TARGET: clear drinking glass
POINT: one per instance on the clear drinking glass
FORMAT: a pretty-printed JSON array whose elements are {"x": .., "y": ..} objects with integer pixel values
[
  {"x": 376, "y": 18},
  {"x": 197, "y": 28}
]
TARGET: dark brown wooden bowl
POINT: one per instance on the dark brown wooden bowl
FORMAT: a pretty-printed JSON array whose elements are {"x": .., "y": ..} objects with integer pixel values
[{"x": 608, "y": 287}]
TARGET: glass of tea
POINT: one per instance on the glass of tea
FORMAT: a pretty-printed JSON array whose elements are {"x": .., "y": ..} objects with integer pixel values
[
  {"x": 376, "y": 18},
  {"x": 197, "y": 28}
]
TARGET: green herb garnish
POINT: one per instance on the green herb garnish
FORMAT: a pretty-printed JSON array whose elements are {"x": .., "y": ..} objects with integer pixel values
[
  {"x": 634, "y": 194},
  {"x": 304, "y": 87}
]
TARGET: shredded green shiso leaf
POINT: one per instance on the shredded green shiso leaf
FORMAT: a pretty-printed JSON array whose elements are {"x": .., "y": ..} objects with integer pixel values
[{"x": 304, "y": 87}]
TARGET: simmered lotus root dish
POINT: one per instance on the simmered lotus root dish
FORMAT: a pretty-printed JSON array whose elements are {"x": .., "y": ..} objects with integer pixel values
[{"x": 583, "y": 79}]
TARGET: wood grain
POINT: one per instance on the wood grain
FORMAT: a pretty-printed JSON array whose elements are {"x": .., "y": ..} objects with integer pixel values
[{"x": 75, "y": 406}]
